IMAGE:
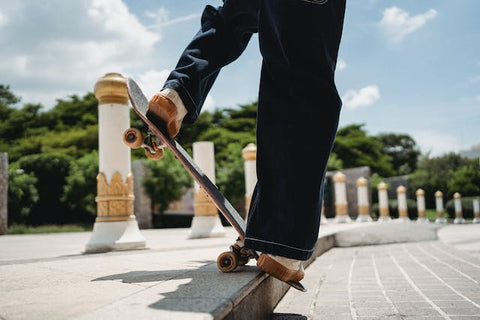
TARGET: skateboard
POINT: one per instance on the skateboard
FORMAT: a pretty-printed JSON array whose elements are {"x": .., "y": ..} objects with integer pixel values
[{"x": 154, "y": 142}]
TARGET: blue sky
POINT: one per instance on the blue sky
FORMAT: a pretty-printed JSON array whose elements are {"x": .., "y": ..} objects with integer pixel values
[{"x": 405, "y": 66}]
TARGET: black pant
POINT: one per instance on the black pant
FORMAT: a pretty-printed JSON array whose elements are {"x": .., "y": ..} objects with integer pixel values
[{"x": 298, "y": 107}]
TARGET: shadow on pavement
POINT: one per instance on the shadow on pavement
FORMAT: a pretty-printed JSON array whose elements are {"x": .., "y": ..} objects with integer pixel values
[{"x": 204, "y": 289}]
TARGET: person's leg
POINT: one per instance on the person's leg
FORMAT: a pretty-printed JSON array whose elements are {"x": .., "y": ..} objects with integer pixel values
[
  {"x": 298, "y": 116},
  {"x": 224, "y": 35}
]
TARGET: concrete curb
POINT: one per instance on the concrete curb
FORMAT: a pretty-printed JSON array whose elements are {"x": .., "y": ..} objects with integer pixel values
[{"x": 246, "y": 303}]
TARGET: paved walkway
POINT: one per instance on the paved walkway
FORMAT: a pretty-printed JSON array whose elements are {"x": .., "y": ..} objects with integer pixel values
[
  {"x": 423, "y": 280},
  {"x": 48, "y": 277}
]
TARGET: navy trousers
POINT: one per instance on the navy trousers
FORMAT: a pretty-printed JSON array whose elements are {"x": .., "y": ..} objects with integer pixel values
[{"x": 298, "y": 107}]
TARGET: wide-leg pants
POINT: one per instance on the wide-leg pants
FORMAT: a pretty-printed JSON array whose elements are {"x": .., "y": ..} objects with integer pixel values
[{"x": 298, "y": 107}]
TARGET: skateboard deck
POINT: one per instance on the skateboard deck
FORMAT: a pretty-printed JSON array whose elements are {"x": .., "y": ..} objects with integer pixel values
[
  {"x": 227, "y": 261},
  {"x": 140, "y": 105}
]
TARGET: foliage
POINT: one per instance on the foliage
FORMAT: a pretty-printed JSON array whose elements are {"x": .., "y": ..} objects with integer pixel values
[
  {"x": 334, "y": 162},
  {"x": 22, "y": 195},
  {"x": 466, "y": 180},
  {"x": 167, "y": 180},
  {"x": 25, "y": 229},
  {"x": 438, "y": 173},
  {"x": 80, "y": 188},
  {"x": 402, "y": 150},
  {"x": 51, "y": 171},
  {"x": 355, "y": 148},
  {"x": 231, "y": 176}
]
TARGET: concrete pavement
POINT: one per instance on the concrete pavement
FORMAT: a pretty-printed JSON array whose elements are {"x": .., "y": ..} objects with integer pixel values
[
  {"x": 48, "y": 277},
  {"x": 419, "y": 280}
]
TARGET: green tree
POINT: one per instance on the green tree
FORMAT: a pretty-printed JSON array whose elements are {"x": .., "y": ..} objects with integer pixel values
[
  {"x": 434, "y": 174},
  {"x": 7, "y": 100},
  {"x": 355, "y": 148},
  {"x": 466, "y": 180},
  {"x": 22, "y": 195},
  {"x": 230, "y": 176},
  {"x": 167, "y": 180},
  {"x": 51, "y": 171},
  {"x": 403, "y": 151},
  {"x": 80, "y": 188}
]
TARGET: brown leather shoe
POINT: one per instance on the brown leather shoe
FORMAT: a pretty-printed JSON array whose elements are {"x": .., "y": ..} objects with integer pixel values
[
  {"x": 164, "y": 109},
  {"x": 278, "y": 270}
]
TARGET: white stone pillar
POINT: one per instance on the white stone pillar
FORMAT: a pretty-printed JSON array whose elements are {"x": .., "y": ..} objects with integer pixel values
[
  {"x": 383, "y": 202},
  {"x": 115, "y": 227},
  {"x": 457, "y": 201},
  {"x": 362, "y": 199},
  {"x": 476, "y": 211},
  {"x": 205, "y": 223},
  {"x": 439, "y": 206},
  {"x": 421, "y": 208},
  {"x": 402, "y": 204},
  {"x": 249, "y": 154},
  {"x": 323, "y": 218},
  {"x": 341, "y": 205}
]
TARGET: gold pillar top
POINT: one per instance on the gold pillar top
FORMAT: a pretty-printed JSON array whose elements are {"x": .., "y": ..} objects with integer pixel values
[
  {"x": 250, "y": 152},
  {"x": 339, "y": 177},
  {"x": 362, "y": 182},
  {"x": 401, "y": 189},
  {"x": 382, "y": 186},
  {"x": 111, "y": 88},
  {"x": 438, "y": 194},
  {"x": 457, "y": 195},
  {"x": 420, "y": 192}
]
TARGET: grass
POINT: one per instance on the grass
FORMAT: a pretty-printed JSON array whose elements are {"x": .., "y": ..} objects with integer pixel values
[
  {"x": 50, "y": 228},
  {"x": 431, "y": 214}
]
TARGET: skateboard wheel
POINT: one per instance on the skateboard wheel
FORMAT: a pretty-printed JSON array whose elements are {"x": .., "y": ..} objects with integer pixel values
[
  {"x": 154, "y": 156},
  {"x": 133, "y": 138},
  {"x": 227, "y": 261}
]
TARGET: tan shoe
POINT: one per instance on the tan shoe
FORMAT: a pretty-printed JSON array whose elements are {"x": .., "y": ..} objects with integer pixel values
[
  {"x": 163, "y": 109},
  {"x": 279, "y": 271}
]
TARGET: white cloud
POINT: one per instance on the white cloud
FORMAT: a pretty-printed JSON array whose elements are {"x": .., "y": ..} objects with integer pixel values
[
  {"x": 437, "y": 143},
  {"x": 397, "y": 23},
  {"x": 161, "y": 18},
  {"x": 3, "y": 19},
  {"x": 77, "y": 43},
  {"x": 361, "y": 98},
  {"x": 341, "y": 65},
  {"x": 209, "y": 103},
  {"x": 152, "y": 81}
]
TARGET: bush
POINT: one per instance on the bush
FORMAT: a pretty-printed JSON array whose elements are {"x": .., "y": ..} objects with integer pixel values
[
  {"x": 167, "y": 180},
  {"x": 22, "y": 195},
  {"x": 467, "y": 207},
  {"x": 231, "y": 177},
  {"x": 51, "y": 171},
  {"x": 81, "y": 188}
]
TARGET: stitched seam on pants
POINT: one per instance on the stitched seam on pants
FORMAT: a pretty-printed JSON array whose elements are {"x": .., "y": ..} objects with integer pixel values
[
  {"x": 276, "y": 243},
  {"x": 316, "y": 2}
]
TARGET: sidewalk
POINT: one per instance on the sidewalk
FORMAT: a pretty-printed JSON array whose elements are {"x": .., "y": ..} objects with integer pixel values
[
  {"x": 421, "y": 280},
  {"x": 48, "y": 277}
]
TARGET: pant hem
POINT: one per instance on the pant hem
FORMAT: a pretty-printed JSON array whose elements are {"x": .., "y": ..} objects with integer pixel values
[
  {"x": 188, "y": 102},
  {"x": 277, "y": 249}
]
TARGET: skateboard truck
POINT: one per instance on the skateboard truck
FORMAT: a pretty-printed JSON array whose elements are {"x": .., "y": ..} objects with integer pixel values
[{"x": 134, "y": 139}]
